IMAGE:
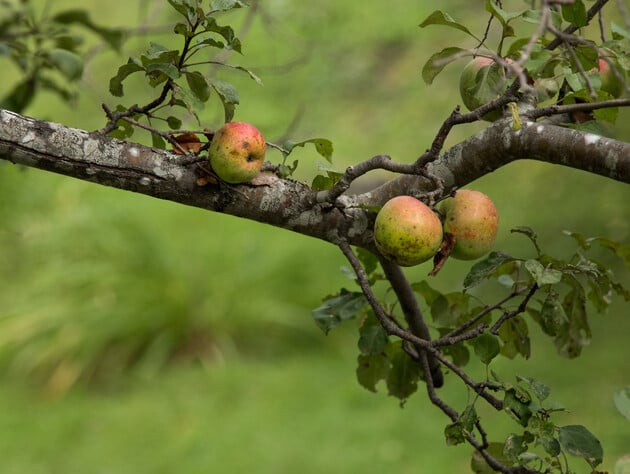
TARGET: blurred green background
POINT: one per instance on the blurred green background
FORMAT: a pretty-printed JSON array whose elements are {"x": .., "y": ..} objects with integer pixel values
[{"x": 141, "y": 336}]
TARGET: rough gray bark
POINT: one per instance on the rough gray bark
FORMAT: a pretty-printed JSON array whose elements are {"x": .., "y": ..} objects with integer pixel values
[{"x": 286, "y": 203}]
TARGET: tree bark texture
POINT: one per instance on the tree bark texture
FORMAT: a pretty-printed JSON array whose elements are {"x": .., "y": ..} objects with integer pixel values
[{"x": 286, "y": 203}]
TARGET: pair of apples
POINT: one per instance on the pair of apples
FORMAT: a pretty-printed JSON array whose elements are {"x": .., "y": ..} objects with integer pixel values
[{"x": 408, "y": 232}]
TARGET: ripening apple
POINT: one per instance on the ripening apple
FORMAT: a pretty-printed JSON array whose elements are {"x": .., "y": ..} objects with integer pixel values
[
  {"x": 407, "y": 231},
  {"x": 482, "y": 81},
  {"x": 610, "y": 82},
  {"x": 237, "y": 152},
  {"x": 472, "y": 218}
]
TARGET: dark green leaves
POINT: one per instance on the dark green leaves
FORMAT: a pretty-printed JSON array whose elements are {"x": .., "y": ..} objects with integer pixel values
[
  {"x": 485, "y": 268},
  {"x": 578, "y": 441},
  {"x": 486, "y": 347},
  {"x": 338, "y": 308}
]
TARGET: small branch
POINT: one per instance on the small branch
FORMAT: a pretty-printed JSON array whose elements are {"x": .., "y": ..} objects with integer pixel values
[
  {"x": 594, "y": 10},
  {"x": 412, "y": 312},
  {"x": 571, "y": 108},
  {"x": 472, "y": 321},
  {"x": 520, "y": 309},
  {"x": 384, "y": 319}
]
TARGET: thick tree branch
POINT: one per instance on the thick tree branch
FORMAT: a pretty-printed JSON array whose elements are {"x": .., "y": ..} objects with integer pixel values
[{"x": 289, "y": 204}]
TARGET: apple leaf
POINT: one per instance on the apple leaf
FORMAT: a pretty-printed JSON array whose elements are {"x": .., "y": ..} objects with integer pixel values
[
  {"x": 439, "y": 17},
  {"x": 438, "y": 61},
  {"x": 402, "y": 379},
  {"x": 371, "y": 369},
  {"x": 578, "y": 441},
  {"x": 485, "y": 268},
  {"x": 115, "y": 83},
  {"x": 338, "y": 308},
  {"x": 486, "y": 347},
  {"x": 323, "y": 146}
]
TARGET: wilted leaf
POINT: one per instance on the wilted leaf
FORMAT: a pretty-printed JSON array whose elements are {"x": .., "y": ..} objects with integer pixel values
[
  {"x": 515, "y": 336},
  {"x": 402, "y": 379},
  {"x": 531, "y": 235},
  {"x": 371, "y": 369},
  {"x": 516, "y": 403},
  {"x": 372, "y": 338},
  {"x": 578, "y": 441},
  {"x": 543, "y": 275},
  {"x": 538, "y": 388}
]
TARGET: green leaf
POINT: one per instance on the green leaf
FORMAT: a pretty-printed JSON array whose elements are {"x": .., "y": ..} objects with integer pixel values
[
  {"x": 338, "y": 308},
  {"x": 321, "y": 183},
  {"x": 485, "y": 268},
  {"x": 426, "y": 291},
  {"x": 402, "y": 379},
  {"x": 371, "y": 369},
  {"x": 439, "y": 17},
  {"x": 157, "y": 141},
  {"x": 323, "y": 146},
  {"x": 198, "y": 85},
  {"x": 575, "y": 13},
  {"x": 228, "y": 95},
  {"x": 438, "y": 61},
  {"x": 538, "y": 388},
  {"x": 622, "y": 401},
  {"x": 543, "y": 275},
  {"x": 115, "y": 83},
  {"x": 578, "y": 441},
  {"x": 486, "y": 347},
  {"x": 503, "y": 16},
  {"x": 174, "y": 123},
  {"x": 372, "y": 338},
  {"x": 67, "y": 62}
]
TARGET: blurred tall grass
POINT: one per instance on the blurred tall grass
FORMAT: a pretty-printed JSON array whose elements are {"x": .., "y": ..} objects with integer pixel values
[{"x": 96, "y": 281}]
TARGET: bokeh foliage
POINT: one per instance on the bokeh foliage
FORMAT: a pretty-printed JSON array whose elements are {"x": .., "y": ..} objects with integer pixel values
[{"x": 104, "y": 277}]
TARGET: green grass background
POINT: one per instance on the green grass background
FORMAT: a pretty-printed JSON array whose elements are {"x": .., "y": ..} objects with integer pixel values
[{"x": 95, "y": 280}]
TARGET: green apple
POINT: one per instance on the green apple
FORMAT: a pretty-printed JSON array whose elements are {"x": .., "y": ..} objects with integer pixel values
[
  {"x": 237, "y": 152},
  {"x": 407, "y": 231},
  {"x": 472, "y": 219}
]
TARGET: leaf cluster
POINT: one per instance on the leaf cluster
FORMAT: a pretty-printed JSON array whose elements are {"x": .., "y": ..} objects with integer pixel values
[
  {"x": 553, "y": 65},
  {"x": 48, "y": 50},
  {"x": 186, "y": 75},
  {"x": 557, "y": 294}
]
